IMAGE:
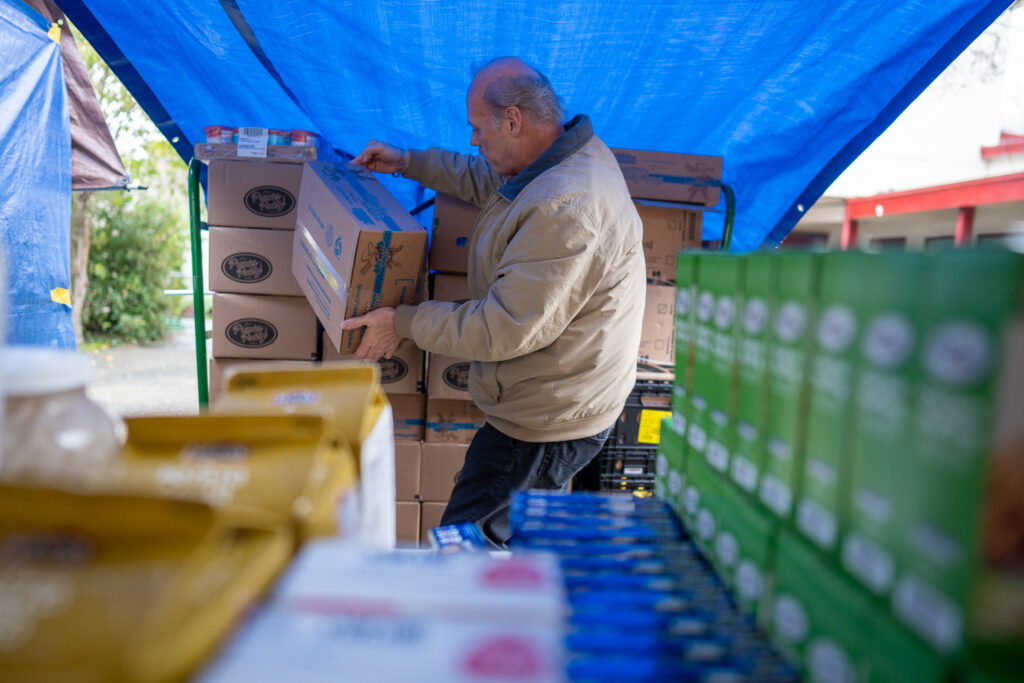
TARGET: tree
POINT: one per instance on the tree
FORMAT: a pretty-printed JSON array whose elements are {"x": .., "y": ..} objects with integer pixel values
[{"x": 151, "y": 159}]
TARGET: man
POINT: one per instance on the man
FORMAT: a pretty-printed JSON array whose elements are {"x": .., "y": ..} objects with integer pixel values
[{"x": 556, "y": 275}]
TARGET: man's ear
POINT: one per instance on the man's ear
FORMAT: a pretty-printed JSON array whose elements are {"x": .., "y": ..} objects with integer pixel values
[{"x": 513, "y": 120}]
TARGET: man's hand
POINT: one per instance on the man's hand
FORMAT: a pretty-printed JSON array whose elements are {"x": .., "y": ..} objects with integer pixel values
[
  {"x": 380, "y": 339},
  {"x": 380, "y": 157}
]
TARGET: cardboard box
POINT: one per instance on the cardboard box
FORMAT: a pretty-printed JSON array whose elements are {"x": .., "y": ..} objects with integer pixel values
[
  {"x": 430, "y": 517},
  {"x": 792, "y": 332},
  {"x": 400, "y": 374},
  {"x": 897, "y": 655},
  {"x": 439, "y": 470},
  {"x": 452, "y": 421},
  {"x": 819, "y": 618},
  {"x": 263, "y": 326},
  {"x": 208, "y": 151},
  {"x": 710, "y": 432},
  {"x": 362, "y": 419},
  {"x": 883, "y": 393},
  {"x": 667, "y": 229},
  {"x": 671, "y": 177},
  {"x": 407, "y": 470},
  {"x": 409, "y": 418},
  {"x": 407, "y": 523},
  {"x": 959, "y": 583},
  {"x": 366, "y": 643},
  {"x": 355, "y": 249},
  {"x": 755, "y": 532},
  {"x": 447, "y": 377},
  {"x": 824, "y": 496},
  {"x": 253, "y": 194},
  {"x": 706, "y": 506},
  {"x": 686, "y": 298},
  {"x": 475, "y": 587},
  {"x": 745, "y": 548},
  {"x": 758, "y": 308},
  {"x": 220, "y": 367},
  {"x": 449, "y": 240},
  {"x": 450, "y": 288},
  {"x": 670, "y": 467},
  {"x": 251, "y": 261},
  {"x": 656, "y": 338}
]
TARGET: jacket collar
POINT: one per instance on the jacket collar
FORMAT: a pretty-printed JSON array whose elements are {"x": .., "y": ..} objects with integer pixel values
[{"x": 578, "y": 132}]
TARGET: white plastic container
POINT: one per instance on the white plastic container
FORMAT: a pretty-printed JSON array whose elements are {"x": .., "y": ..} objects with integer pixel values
[{"x": 52, "y": 429}]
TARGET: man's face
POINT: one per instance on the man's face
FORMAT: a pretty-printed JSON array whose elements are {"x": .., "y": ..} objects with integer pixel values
[{"x": 495, "y": 145}]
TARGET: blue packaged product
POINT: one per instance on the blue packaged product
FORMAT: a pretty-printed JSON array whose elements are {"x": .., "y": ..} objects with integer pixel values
[
  {"x": 464, "y": 536},
  {"x": 657, "y": 529},
  {"x": 634, "y": 534},
  {"x": 584, "y": 618},
  {"x": 598, "y": 669},
  {"x": 704, "y": 649},
  {"x": 625, "y": 564},
  {"x": 657, "y": 600}
]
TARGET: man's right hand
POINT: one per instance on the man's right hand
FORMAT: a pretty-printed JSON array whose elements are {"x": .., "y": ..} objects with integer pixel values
[{"x": 380, "y": 157}]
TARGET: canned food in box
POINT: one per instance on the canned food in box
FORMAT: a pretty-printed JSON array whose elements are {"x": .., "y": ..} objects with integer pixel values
[
  {"x": 303, "y": 138},
  {"x": 277, "y": 137},
  {"x": 220, "y": 134}
]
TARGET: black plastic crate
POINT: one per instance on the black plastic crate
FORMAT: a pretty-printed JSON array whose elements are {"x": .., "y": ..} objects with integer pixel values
[
  {"x": 611, "y": 482},
  {"x": 628, "y": 462},
  {"x": 646, "y": 396}
]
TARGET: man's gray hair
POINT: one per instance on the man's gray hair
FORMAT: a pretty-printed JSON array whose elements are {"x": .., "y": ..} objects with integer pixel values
[{"x": 531, "y": 93}]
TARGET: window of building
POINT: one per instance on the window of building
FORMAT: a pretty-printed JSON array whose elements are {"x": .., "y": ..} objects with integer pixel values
[
  {"x": 889, "y": 243},
  {"x": 803, "y": 240}
]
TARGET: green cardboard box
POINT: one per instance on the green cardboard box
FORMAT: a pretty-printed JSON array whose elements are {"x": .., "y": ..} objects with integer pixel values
[
  {"x": 686, "y": 295},
  {"x": 670, "y": 468},
  {"x": 821, "y": 619},
  {"x": 758, "y": 304},
  {"x": 787, "y": 387},
  {"x": 710, "y": 432},
  {"x": 891, "y": 293},
  {"x": 824, "y": 495},
  {"x": 744, "y": 547},
  {"x": 897, "y": 656},
  {"x": 701, "y": 503},
  {"x": 959, "y": 574}
]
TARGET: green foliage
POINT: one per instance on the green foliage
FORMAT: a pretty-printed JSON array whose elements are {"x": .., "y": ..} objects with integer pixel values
[
  {"x": 138, "y": 238},
  {"x": 136, "y": 246}
]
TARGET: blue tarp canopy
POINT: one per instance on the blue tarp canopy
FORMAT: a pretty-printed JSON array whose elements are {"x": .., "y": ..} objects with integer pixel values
[
  {"x": 35, "y": 181},
  {"x": 788, "y": 93}
]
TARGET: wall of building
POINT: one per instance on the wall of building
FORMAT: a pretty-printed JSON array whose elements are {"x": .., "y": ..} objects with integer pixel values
[{"x": 938, "y": 141}]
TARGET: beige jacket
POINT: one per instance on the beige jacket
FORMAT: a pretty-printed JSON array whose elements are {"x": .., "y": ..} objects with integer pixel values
[{"x": 557, "y": 279}]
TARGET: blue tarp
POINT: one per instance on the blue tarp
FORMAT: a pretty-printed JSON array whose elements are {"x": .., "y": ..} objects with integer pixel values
[
  {"x": 787, "y": 92},
  {"x": 35, "y": 180}
]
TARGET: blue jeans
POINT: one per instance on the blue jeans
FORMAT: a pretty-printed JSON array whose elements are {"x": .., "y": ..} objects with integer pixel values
[{"x": 497, "y": 465}]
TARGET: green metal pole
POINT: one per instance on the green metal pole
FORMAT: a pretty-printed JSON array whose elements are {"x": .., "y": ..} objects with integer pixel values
[
  {"x": 198, "y": 304},
  {"x": 730, "y": 215}
]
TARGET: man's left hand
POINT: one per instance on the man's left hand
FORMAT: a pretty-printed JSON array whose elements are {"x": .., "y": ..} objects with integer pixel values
[{"x": 380, "y": 339}]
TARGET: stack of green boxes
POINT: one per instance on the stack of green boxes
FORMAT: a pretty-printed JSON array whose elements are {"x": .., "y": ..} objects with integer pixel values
[{"x": 847, "y": 448}]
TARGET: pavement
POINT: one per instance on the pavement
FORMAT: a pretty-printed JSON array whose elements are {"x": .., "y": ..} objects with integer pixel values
[{"x": 156, "y": 378}]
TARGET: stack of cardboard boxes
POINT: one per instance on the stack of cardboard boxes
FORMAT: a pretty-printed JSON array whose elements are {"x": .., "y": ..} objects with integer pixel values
[
  {"x": 452, "y": 419},
  {"x": 401, "y": 378},
  {"x": 293, "y": 242},
  {"x": 435, "y": 419},
  {"x": 670, "y": 192},
  {"x": 356, "y": 249},
  {"x": 259, "y": 312}
]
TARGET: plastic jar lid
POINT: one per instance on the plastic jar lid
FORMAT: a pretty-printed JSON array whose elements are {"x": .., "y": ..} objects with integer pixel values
[{"x": 32, "y": 370}]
